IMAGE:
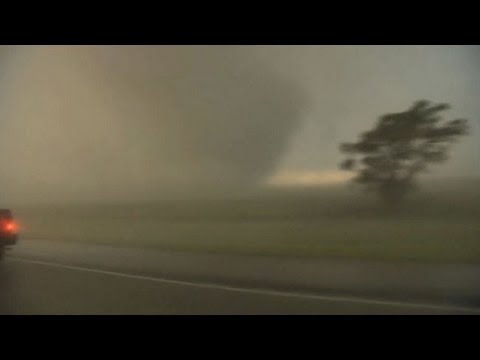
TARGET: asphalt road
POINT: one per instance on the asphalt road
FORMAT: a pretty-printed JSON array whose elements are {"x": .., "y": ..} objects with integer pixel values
[{"x": 41, "y": 277}]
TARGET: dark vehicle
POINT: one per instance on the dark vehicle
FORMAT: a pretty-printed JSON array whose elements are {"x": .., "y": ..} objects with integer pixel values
[{"x": 8, "y": 231}]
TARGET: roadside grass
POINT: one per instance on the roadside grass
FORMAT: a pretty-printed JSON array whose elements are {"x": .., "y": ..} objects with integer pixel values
[{"x": 328, "y": 225}]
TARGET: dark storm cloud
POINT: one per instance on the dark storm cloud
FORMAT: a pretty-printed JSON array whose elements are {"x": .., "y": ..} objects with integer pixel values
[
  {"x": 122, "y": 122},
  {"x": 352, "y": 85},
  {"x": 144, "y": 122}
]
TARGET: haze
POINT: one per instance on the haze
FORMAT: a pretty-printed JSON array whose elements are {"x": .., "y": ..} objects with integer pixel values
[
  {"x": 103, "y": 123},
  {"x": 205, "y": 180}
]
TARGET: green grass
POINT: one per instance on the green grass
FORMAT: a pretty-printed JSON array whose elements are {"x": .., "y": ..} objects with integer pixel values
[{"x": 431, "y": 228}]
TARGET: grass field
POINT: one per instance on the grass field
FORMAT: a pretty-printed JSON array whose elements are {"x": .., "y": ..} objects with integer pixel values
[{"x": 441, "y": 225}]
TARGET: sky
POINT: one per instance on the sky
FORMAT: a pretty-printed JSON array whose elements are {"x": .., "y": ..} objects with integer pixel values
[
  {"x": 354, "y": 85},
  {"x": 145, "y": 122}
]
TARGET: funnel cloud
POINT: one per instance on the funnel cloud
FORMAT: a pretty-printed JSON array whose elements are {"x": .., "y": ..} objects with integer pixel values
[
  {"x": 148, "y": 122},
  {"x": 132, "y": 122}
]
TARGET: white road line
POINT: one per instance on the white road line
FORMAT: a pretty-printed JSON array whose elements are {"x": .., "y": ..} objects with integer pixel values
[{"x": 252, "y": 290}]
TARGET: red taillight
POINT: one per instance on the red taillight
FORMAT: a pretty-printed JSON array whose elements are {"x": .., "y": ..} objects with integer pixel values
[{"x": 10, "y": 226}]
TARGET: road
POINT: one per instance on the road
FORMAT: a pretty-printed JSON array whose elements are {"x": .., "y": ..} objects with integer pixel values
[{"x": 50, "y": 277}]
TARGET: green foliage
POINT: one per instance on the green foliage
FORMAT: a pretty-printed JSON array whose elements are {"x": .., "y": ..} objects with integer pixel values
[{"x": 399, "y": 147}]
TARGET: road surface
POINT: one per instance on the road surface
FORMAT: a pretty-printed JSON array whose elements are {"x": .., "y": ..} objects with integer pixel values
[{"x": 49, "y": 277}]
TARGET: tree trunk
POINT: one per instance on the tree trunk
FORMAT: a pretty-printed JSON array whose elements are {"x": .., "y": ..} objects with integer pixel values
[{"x": 392, "y": 195}]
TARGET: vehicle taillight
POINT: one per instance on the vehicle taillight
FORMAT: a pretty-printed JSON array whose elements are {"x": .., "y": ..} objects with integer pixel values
[{"x": 10, "y": 226}]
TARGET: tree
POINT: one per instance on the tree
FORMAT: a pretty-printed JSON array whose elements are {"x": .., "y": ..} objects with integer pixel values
[{"x": 400, "y": 147}]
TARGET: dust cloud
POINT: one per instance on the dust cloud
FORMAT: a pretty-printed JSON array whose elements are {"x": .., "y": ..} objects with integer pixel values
[{"x": 140, "y": 122}]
